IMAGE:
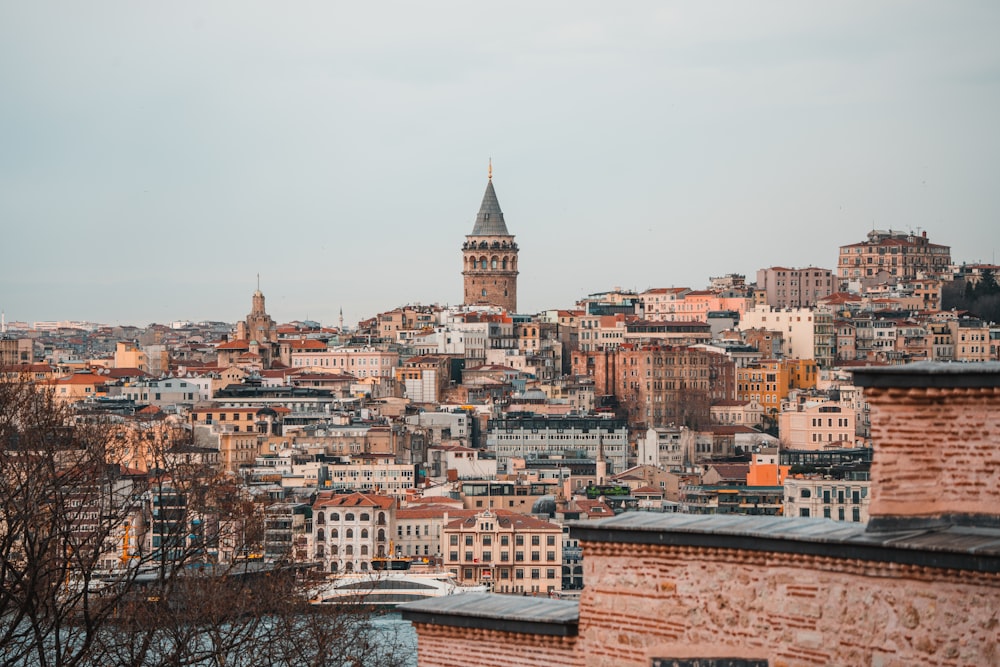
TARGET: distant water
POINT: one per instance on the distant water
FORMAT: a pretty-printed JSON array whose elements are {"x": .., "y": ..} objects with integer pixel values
[{"x": 393, "y": 625}]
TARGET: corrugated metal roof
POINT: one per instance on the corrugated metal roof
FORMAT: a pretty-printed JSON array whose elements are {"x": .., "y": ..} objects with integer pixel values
[
  {"x": 507, "y": 607},
  {"x": 963, "y": 540}
]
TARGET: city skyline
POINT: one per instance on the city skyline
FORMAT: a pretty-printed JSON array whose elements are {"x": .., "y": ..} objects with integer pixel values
[{"x": 156, "y": 161}]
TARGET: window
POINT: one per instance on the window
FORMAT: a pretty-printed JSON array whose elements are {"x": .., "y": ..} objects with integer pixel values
[
  {"x": 536, "y": 540},
  {"x": 468, "y": 540},
  {"x": 550, "y": 540},
  {"x": 536, "y": 556},
  {"x": 453, "y": 540},
  {"x": 453, "y": 556},
  {"x": 519, "y": 540},
  {"x": 535, "y": 573}
]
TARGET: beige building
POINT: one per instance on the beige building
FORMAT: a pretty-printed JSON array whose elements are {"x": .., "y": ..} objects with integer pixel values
[
  {"x": 795, "y": 288},
  {"x": 837, "y": 499},
  {"x": 817, "y": 425},
  {"x": 891, "y": 256},
  {"x": 425, "y": 378},
  {"x": 513, "y": 552},
  {"x": 807, "y": 333},
  {"x": 14, "y": 351},
  {"x": 361, "y": 362}
]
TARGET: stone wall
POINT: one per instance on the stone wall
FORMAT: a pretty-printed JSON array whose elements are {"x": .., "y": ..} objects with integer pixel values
[
  {"x": 445, "y": 646},
  {"x": 936, "y": 451},
  {"x": 647, "y": 601}
]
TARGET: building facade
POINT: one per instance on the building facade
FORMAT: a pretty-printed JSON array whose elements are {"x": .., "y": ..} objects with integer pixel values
[{"x": 891, "y": 256}]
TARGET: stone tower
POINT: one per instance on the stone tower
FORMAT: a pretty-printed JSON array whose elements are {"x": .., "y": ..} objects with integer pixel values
[{"x": 489, "y": 257}]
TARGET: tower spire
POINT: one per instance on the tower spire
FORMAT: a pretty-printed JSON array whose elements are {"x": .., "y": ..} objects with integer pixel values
[{"x": 489, "y": 170}]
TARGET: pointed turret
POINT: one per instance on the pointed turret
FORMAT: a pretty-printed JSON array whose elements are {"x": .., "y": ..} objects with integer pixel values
[
  {"x": 489, "y": 255},
  {"x": 489, "y": 220}
]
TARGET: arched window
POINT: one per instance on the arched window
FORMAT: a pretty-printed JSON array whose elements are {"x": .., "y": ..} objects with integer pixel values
[
  {"x": 348, "y": 517},
  {"x": 320, "y": 520},
  {"x": 334, "y": 550},
  {"x": 319, "y": 551},
  {"x": 482, "y": 263},
  {"x": 320, "y": 535},
  {"x": 364, "y": 566},
  {"x": 366, "y": 517},
  {"x": 334, "y": 517},
  {"x": 504, "y": 263},
  {"x": 334, "y": 534},
  {"x": 333, "y": 566},
  {"x": 350, "y": 534},
  {"x": 349, "y": 567},
  {"x": 364, "y": 533},
  {"x": 381, "y": 535},
  {"x": 381, "y": 518},
  {"x": 349, "y": 550},
  {"x": 493, "y": 263},
  {"x": 364, "y": 549}
]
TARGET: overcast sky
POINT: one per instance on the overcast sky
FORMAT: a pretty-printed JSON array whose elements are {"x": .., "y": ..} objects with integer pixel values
[{"x": 155, "y": 157}]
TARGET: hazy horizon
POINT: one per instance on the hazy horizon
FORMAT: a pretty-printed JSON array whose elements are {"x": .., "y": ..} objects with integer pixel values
[{"x": 156, "y": 158}]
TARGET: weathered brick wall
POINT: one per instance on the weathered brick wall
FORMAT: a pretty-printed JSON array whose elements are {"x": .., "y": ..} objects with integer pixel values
[
  {"x": 645, "y": 601},
  {"x": 443, "y": 646},
  {"x": 935, "y": 451}
]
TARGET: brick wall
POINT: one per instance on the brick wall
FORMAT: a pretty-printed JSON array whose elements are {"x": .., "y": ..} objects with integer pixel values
[
  {"x": 444, "y": 646},
  {"x": 647, "y": 601},
  {"x": 936, "y": 451}
]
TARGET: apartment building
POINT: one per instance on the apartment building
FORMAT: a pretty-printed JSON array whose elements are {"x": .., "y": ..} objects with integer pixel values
[
  {"x": 348, "y": 530},
  {"x": 795, "y": 288},
  {"x": 816, "y": 425},
  {"x": 892, "y": 256},
  {"x": 514, "y": 553}
]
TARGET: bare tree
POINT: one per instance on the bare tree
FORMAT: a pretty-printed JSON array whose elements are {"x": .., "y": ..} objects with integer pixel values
[{"x": 103, "y": 564}]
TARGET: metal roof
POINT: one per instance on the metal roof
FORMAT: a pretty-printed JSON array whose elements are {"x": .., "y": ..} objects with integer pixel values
[
  {"x": 489, "y": 220},
  {"x": 962, "y": 547},
  {"x": 513, "y": 613}
]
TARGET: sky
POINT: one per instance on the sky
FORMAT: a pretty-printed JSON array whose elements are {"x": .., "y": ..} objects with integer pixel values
[{"x": 156, "y": 157}]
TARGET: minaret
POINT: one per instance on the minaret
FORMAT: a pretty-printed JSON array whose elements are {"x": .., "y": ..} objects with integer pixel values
[
  {"x": 602, "y": 464},
  {"x": 489, "y": 256}
]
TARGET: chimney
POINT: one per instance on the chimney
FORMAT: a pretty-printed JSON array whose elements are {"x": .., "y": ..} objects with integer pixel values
[{"x": 935, "y": 430}]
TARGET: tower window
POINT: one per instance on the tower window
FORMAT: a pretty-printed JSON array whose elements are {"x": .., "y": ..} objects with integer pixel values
[{"x": 484, "y": 292}]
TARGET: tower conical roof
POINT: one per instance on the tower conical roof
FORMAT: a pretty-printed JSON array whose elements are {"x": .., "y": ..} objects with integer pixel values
[{"x": 489, "y": 220}]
